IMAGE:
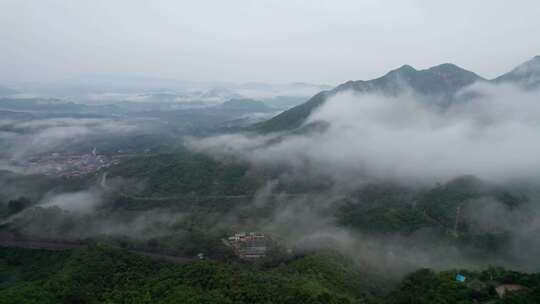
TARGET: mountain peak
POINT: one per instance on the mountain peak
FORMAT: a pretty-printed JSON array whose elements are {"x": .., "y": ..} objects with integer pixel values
[
  {"x": 447, "y": 67},
  {"x": 442, "y": 70},
  {"x": 437, "y": 84},
  {"x": 450, "y": 70},
  {"x": 404, "y": 69},
  {"x": 526, "y": 74}
]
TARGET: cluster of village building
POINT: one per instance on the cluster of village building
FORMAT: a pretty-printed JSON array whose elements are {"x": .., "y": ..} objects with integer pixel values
[
  {"x": 249, "y": 245},
  {"x": 57, "y": 164}
]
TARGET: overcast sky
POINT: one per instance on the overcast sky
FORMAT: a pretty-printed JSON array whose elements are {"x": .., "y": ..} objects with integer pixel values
[{"x": 257, "y": 40}]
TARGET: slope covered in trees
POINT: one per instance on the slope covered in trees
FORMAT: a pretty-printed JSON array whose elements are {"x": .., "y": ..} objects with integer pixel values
[{"x": 103, "y": 275}]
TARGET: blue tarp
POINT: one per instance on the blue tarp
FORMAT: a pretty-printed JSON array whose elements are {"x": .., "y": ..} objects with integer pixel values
[{"x": 460, "y": 278}]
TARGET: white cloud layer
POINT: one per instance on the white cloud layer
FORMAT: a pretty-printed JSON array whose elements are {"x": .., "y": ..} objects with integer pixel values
[{"x": 493, "y": 137}]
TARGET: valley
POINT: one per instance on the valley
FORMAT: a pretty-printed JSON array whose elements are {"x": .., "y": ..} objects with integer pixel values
[{"x": 269, "y": 152}]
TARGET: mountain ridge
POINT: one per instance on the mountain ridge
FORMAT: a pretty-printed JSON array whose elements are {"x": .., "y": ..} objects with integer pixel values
[
  {"x": 439, "y": 83},
  {"x": 526, "y": 75}
]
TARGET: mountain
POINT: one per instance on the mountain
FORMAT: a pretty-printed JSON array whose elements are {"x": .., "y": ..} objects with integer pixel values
[
  {"x": 442, "y": 79},
  {"x": 526, "y": 75},
  {"x": 438, "y": 84}
]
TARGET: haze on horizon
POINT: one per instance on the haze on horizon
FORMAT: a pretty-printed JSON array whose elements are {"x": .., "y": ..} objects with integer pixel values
[{"x": 268, "y": 41}]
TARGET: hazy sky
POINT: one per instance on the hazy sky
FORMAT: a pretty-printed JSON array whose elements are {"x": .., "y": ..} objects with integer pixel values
[{"x": 258, "y": 40}]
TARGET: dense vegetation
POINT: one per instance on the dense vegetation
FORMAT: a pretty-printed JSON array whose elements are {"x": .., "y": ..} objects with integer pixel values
[
  {"x": 393, "y": 209},
  {"x": 100, "y": 274},
  {"x": 204, "y": 191},
  {"x": 184, "y": 172},
  {"x": 426, "y": 286},
  {"x": 104, "y": 275}
]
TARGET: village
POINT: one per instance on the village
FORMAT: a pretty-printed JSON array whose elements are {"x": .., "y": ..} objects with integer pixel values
[
  {"x": 248, "y": 245},
  {"x": 57, "y": 164}
]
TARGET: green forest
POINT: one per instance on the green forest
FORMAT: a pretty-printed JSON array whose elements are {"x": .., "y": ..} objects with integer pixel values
[{"x": 101, "y": 274}]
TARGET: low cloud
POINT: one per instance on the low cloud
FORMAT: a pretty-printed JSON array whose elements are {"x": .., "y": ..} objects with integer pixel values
[
  {"x": 370, "y": 138},
  {"x": 405, "y": 139},
  {"x": 27, "y": 138},
  {"x": 81, "y": 202}
]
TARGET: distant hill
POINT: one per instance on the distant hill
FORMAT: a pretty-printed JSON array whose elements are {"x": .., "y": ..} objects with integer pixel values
[
  {"x": 4, "y": 91},
  {"x": 284, "y": 102},
  {"x": 41, "y": 104},
  {"x": 437, "y": 84},
  {"x": 249, "y": 105}
]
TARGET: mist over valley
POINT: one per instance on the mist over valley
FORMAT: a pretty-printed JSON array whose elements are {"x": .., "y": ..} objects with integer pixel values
[{"x": 341, "y": 159}]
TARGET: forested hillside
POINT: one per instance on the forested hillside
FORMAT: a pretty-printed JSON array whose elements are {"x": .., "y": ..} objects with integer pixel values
[{"x": 100, "y": 274}]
